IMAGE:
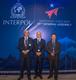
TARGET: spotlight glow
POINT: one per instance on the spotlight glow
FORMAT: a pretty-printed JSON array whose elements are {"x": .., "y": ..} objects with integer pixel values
[{"x": 51, "y": 5}]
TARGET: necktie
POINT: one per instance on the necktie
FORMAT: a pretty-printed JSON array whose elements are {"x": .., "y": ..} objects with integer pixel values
[
  {"x": 38, "y": 43},
  {"x": 25, "y": 42},
  {"x": 53, "y": 47}
]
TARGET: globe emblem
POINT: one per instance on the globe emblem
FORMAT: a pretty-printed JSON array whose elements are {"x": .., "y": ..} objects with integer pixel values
[{"x": 18, "y": 11}]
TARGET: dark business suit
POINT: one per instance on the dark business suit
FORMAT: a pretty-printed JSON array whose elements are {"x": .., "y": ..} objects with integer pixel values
[
  {"x": 53, "y": 60},
  {"x": 39, "y": 59},
  {"x": 25, "y": 60}
]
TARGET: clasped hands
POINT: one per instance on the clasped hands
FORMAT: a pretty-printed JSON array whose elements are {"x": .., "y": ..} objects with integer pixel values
[
  {"x": 38, "y": 53},
  {"x": 25, "y": 52}
]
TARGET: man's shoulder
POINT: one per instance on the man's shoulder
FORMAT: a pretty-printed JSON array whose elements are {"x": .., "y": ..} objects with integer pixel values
[
  {"x": 58, "y": 42},
  {"x": 35, "y": 39},
  {"x": 43, "y": 40},
  {"x": 49, "y": 42},
  {"x": 30, "y": 39}
]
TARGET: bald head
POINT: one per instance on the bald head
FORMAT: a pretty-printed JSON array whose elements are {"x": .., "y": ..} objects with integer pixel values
[
  {"x": 38, "y": 35},
  {"x": 26, "y": 33}
]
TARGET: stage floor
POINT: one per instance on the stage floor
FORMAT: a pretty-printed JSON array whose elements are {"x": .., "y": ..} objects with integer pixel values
[{"x": 61, "y": 77}]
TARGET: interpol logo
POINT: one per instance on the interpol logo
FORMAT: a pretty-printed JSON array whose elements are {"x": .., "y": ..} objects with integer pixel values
[
  {"x": 17, "y": 16},
  {"x": 17, "y": 11}
]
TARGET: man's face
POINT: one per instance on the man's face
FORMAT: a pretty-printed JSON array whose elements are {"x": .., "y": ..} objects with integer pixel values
[
  {"x": 38, "y": 35},
  {"x": 53, "y": 37},
  {"x": 26, "y": 33}
]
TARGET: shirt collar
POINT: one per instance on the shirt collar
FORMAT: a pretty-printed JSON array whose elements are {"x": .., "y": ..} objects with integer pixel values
[
  {"x": 25, "y": 38},
  {"x": 39, "y": 39}
]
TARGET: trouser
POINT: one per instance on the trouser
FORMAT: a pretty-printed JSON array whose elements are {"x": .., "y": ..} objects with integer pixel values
[
  {"x": 53, "y": 64},
  {"x": 25, "y": 64},
  {"x": 38, "y": 65}
]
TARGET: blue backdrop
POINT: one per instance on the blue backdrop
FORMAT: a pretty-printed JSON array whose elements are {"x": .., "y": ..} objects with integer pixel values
[{"x": 63, "y": 24}]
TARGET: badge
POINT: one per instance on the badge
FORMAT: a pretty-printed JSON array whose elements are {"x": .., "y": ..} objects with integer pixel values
[
  {"x": 38, "y": 50},
  {"x": 29, "y": 44}
]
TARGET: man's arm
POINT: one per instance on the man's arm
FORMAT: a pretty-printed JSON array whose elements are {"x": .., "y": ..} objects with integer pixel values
[
  {"x": 48, "y": 47},
  {"x": 34, "y": 46},
  {"x": 58, "y": 48},
  {"x": 20, "y": 47},
  {"x": 43, "y": 46}
]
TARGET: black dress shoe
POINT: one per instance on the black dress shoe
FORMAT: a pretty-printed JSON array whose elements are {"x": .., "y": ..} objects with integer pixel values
[
  {"x": 19, "y": 78},
  {"x": 55, "y": 78},
  {"x": 40, "y": 77},
  {"x": 50, "y": 76},
  {"x": 35, "y": 77},
  {"x": 29, "y": 78}
]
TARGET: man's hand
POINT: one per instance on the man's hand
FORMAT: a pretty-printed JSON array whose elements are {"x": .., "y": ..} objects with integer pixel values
[
  {"x": 52, "y": 54},
  {"x": 25, "y": 52},
  {"x": 38, "y": 53}
]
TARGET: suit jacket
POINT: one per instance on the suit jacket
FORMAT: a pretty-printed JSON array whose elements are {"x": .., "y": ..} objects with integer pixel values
[
  {"x": 21, "y": 45},
  {"x": 42, "y": 46},
  {"x": 57, "y": 50}
]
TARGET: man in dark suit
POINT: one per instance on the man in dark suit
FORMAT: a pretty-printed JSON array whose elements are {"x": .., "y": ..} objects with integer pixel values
[
  {"x": 53, "y": 48},
  {"x": 39, "y": 47},
  {"x": 25, "y": 47}
]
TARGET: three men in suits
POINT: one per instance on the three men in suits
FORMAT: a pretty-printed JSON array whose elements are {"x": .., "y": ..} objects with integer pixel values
[
  {"x": 53, "y": 48},
  {"x": 39, "y": 47},
  {"x": 25, "y": 47}
]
